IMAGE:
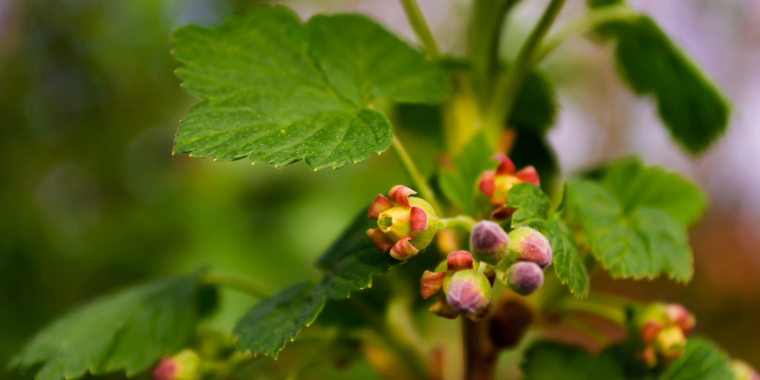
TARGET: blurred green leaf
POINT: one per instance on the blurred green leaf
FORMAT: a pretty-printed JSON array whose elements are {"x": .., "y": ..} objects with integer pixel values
[
  {"x": 349, "y": 265},
  {"x": 533, "y": 210},
  {"x": 689, "y": 104},
  {"x": 641, "y": 244},
  {"x": 460, "y": 185},
  {"x": 638, "y": 186},
  {"x": 702, "y": 360},
  {"x": 536, "y": 104},
  {"x": 129, "y": 330},
  {"x": 280, "y": 91},
  {"x": 545, "y": 360}
]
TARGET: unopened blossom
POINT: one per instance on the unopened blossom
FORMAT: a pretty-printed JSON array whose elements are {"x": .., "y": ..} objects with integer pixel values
[{"x": 495, "y": 184}]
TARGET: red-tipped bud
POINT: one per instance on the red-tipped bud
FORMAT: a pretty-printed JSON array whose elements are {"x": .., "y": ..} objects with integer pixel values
[
  {"x": 442, "y": 309},
  {"x": 679, "y": 315},
  {"x": 670, "y": 344},
  {"x": 489, "y": 242},
  {"x": 459, "y": 260},
  {"x": 648, "y": 357},
  {"x": 527, "y": 244},
  {"x": 650, "y": 330},
  {"x": 468, "y": 292},
  {"x": 430, "y": 284},
  {"x": 184, "y": 366},
  {"x": 525, "y": 277},
  {"x": 409, "y": 224},
  {"x": 743, "y": 371},
  {"x": 496, "y": 184}
]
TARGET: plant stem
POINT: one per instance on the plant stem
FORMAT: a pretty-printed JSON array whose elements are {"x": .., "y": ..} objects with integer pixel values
[
  {"x": 417, "y": 178},
  {"x": 420, "y": 26},
  {"x": 589, "y": 331},
  {"x": 462, "y": 221},
  {"x": 480, "y": 354},
  {"x": 588, "y": 21},
  {"x": 244, "y": 286},
  {"x": 508, "y": 85},
  {"x": 609, "y": 313},
  {"x": 485, "y": 32}
]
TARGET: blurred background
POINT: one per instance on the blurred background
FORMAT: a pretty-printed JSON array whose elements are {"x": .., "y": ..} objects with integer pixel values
[{"x": 91, "y": 198}]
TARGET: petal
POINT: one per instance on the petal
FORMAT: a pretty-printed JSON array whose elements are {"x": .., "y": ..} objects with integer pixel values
[
  {"x": 403, "y": 249},
  {"x": 486, "y": 185},
  {"x": 502, "y": 213},
  {"x": 418, "y": 218},
  {"x": 379, "y": 239},
  {"x": 529, "y": 175},
  {"x": 430, "y": 284},
  {"x": 379, "y": 205},
  {"x": 400, "y": 194},
  {"x": 505, "y": 164},
  {"x": 459, "y": 260},
  {"x": 442, "y": 309}
]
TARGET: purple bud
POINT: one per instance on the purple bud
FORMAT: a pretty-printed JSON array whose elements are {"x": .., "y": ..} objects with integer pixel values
[
  {"x": 527, "y": 244},
  {"x": 525, "y": 277},
  {"x": 489, "y": 242},
  {"x": 183, "y": 366},
  {"x": 469, "y": 292}
]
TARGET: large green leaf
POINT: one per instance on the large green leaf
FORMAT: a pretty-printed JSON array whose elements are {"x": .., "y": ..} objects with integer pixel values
[
  {"x": 549, "y": 361},
  {"x": 640, "y": 244},
  {"x": 637, "y": 186},
  {"x": 689, "y": 104},
  {"x": 534, "y": 210},
  {"x": 279, "y": 91},
  {"x": 349, "y": 265},
  {"x": 702, "y": 360},
  {"x": 460, "y": 184},
  {"x": 128, "y": 331}
]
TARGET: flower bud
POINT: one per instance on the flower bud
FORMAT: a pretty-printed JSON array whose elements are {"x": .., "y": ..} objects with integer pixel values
[
  {"x": 405, "y": 225},
  {"x": 527, "y": 244},
  {"x": 430, "y": 284},
  {"x": 743, "y": 371},
  {"x": 670, "y": 344},
  {"x": 648, "y": 357},
  {"x": 679, "y": 315},
  {"x": 489, "y": 242},
  {"x": 496, "y": 184},
  {"x": 525, "y": 277},
  {"x": 442, "y": 309},
  {"x": 469, "y": 292},
  {"x": 183, "y": 366}
]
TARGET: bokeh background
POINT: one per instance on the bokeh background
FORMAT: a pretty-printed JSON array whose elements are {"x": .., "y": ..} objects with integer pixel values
[{"x": 91, "y": 198}]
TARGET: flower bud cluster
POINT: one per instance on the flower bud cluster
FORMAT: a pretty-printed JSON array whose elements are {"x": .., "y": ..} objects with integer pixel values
[
  {"x": 405, "y": 224},
  {"x": 663, "y": 329},
  {"x": 461, "y": 289},
  {"x": 496, "y": 184}
]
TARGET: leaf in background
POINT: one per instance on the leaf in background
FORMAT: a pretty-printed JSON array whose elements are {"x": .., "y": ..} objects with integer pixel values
[
  {"x": 689, "y": 104},
  {"x": 128, "y": 331},
  {"x": 640, "y": 244},
  {"x": 533, "y": 210},
  {"x": 638, "y": 186},
  {"x": 349, "y": 265},
  {"x": 531, "y": 148},
  {"x": 281, "y": 91},
  {"x": 547, "y": 360},
  {"x": 536, "y": 105},
  {"x": 460, "y": 185}
]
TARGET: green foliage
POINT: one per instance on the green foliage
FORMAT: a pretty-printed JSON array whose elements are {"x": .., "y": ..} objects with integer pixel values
[
  {"x": 638, "y": 243},
  {"x": 129, "y": 330},
  {"x": 637, "y": 186},
  {"x": 279, "y": 91},
  {"x": 536, "y": 104},
  {"x": 349, "y": 265},
  {"x": 688, "y": 102},
  {"x": 460, "y": 184},
  {"x": 701, "y": 361},
  {"x": 534, "y": 210}
]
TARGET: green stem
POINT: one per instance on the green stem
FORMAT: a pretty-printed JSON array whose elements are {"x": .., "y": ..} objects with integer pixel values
[
  {"x": 420, "y": 26},
  {"x": 587, "y": 330},
  {"x": 588, "y": 21},
  {"x": 417, "y": 178},
  {"x": 609, "y": 313},
  {"x": 462, "y": 221},
  {"x": 508, "y": 85},
  {"x": 485, "y": 33},
  {"x": 244, "y": 286}
]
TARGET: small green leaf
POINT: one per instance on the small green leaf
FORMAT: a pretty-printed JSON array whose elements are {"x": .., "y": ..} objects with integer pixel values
[
  {"x": 279, "y": 91},
  {"x": 536, "y": 104},
  {"x": 129, "y": 330},
  {"x": 460, "y": 185},
  {"x": 533, "y": 210},
  {"x": 638, "y": 186},
  {"x": 641, "y": 244},
  {"x": 702, "y": 360},
  {"x": 349, "y": 265},
  {"x": 545, "y": 361},
  {"x": 690, "y": 105}
]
